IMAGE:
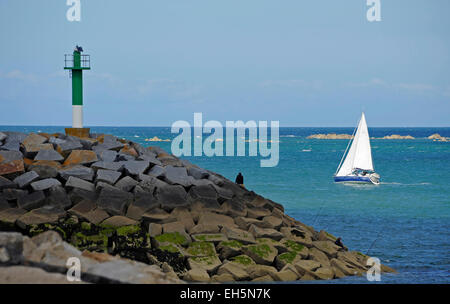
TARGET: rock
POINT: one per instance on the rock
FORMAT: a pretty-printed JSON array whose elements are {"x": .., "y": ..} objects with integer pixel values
[
  {"x": 2, "y": 136},
  {"x": 157, "y": 171},
  {"x": 329, "y": 248},
  {"x": 11, "y": 162},
  {"x": 128, "y": 150},
  {"x": 229, "y": 249},
  {"x": 256, "y": 271},
  {"x": 142, "y": 203},
  {"x": 265, "y": 233},
  {"x": 107, "y": 176},
  {"x": 45, "y": 184},
  {"x": 88, "y": 210},
  {"x": 234, "y": 208},
  {"x": 261, "y": 253},
  {"x": 34, "y": 139},
  {"x": 306, "y": 266},
  {"x": 207, "y": 263},
  {"x": 298, "y": 235},
  {"x": 157, "y": 215},
  {"x": 75, "y": 182},
  {"x": 40, "y": 216},
  {"x": 115, "y": 166},
  {"x": 48, "y": 154},
  {"x": 177, "y": 176},
  {"x": 285, "y": 275},
  {"x": 126, "y": 183},
  {"x": 197, "y": 173},
  {"x": 58, "y": 198},
  {"x": 173, "y": 227},
  {"x": 108, "y": 155},
  {"x": 344, "y": 268},
  {"x": 31, "y": 150},
  {"x": 258, "y": 212},
  {"x": 395, "y": 136},
  {"x": 9, "y": 216},
  {"x": 175, "y": 238},
  {"x": 324, "y": 273},
  {"x": 171, "y": 197},
  {"x": 114, "y": 201},
  {"x": 236, "y": 271},
  {"x": 154, "y": 229},
  {"x": 6, "y": 183},
  {"x": 31, "y": 275},
  {"x": 218, "y": 219},
  {"x": 196, "y": 275},
  {"x": 66, "y": 147},
  {"x": 238, "y": 235},
  {"x": 209, "y": 237},
  {"x": 45, "y": 168},
  {"x": 351, "y": 258},
  {"x": 118, "y": 221},
  {"x": 135, "y": 167},
  {"x": 272, "y": 222},
  {"x": 330, "y": 136},
  {"x": 26, "y": 179},
  {"x": 110, "y": 145},
  {"x": 126, "y": 271},
  {"x": 12, "y": 245},
  {"x": 78, "y": 171},
  {"x": 290, "y": 257},
  {"x": 182, "y": 215},
  {"x": 80, "y": 157},
  {"x": 319, "y": 256},
  {"x": 244, "y": 223},
  {"x": 205, "y": 204},
  {"x": 31, "y": 201},
  {"x": 223, "y": 278},
  {"x": 204, "y": 228}
]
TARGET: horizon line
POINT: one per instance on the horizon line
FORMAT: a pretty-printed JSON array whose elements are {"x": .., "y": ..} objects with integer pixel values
[{"x": 162, "y": 126}]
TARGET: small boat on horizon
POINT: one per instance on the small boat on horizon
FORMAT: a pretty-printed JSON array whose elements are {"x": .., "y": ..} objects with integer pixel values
[{"x": 356, "y": 165}]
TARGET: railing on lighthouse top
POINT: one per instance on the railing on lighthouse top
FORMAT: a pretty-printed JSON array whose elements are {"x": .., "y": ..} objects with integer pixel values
[{"x": 76, "y": 61}]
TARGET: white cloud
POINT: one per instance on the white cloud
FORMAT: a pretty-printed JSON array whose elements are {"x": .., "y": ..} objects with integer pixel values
[{"x": 292, "y": 83}]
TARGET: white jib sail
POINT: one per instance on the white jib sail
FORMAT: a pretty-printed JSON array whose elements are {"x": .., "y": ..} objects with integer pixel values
[{"x": 359, "y": 155}]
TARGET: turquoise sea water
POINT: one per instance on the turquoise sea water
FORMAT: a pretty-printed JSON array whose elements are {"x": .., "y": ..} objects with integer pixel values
[{"x": 405, "y": 221}]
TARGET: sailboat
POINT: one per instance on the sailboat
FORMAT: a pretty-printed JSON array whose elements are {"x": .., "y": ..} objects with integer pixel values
[{"x": 356, "y": 165}]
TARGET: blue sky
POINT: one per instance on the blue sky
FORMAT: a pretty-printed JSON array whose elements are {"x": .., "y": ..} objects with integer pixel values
[{"x": 304, "y": 63}]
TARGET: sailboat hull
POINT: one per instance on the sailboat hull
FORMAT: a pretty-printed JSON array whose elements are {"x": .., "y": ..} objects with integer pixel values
[{"x": 353, "y": 179}]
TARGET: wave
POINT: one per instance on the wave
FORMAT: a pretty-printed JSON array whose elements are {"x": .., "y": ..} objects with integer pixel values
[{"x": 403, "y": 184}]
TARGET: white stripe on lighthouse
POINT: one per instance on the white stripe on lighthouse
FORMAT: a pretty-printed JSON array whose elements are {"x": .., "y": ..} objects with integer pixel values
[{"x": 77, "y": 116}]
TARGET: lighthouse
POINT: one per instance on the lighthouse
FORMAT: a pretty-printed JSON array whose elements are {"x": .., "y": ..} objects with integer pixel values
[{"x": 76, "y": 63}]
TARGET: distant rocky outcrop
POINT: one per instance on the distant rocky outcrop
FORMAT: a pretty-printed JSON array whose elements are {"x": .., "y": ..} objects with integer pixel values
[
  {"x": 438, "y": 137},
  {"x": 330, "y": 136},
  {"x": 141, "y": 215},
  {"x": 395, "y": 136}
]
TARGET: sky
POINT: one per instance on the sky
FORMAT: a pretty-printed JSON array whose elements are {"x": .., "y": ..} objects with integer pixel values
[{"x": 299, "y": 62}]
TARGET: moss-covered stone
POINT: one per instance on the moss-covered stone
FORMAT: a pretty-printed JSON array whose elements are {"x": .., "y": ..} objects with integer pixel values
[
  {"x": 169, "y": 248},
  {"x": 201, "y": 249},
  {"x": 262, "y": 250},
  {"x": 243, "y": 259},
  {"x": 128, "y": 230},
  {"x": 232, "y": 244},
  {"x": 293, "y": 246},
  {"x": 288, "y": 257},
  {"x": 171, "y": 237}
]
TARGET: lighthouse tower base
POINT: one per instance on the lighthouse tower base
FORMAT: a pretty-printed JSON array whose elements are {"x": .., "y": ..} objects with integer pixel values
[{"x": 78, "y": 132}]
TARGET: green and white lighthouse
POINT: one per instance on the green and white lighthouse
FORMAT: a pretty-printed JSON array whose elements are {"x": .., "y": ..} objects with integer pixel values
[{"x": 76, "y": 63}]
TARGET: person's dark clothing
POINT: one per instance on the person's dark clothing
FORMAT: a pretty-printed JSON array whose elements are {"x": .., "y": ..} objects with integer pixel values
[
  {"x": 340, "y": 244},
  {"x": 239, "y": 179}
]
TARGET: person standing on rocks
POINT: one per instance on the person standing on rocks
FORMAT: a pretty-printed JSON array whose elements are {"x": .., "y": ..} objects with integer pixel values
[{"x": 240, "y": 179}]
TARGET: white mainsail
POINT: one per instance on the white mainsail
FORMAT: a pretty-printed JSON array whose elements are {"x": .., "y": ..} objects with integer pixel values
[{"x": 360, "y": 154}]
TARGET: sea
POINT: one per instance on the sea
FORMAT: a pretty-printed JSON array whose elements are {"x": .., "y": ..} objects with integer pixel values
[{"x": 404, "y": 221}]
